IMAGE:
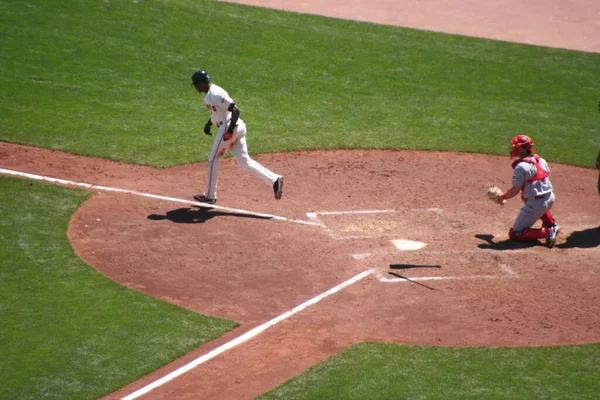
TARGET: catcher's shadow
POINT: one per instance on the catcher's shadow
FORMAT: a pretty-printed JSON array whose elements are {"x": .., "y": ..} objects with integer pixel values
[
  {"x": 198, "y": 215},
  {"x": 504, "y": 244},
  {"x": 588, "y": 238}
]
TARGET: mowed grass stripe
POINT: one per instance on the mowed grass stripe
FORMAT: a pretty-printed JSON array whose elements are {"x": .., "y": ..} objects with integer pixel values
[{"x": 111, "y": 79}]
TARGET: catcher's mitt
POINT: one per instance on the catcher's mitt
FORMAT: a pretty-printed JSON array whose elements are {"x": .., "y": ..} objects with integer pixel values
[{"x": 495, "y": 194}]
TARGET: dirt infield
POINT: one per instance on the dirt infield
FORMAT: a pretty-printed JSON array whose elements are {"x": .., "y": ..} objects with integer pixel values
[
  {"x": 467, "y": 286},
  {"x": 564, "y": 24}
]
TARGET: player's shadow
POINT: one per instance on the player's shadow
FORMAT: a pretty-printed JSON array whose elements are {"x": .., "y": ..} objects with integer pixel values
[
  {"x": 504, "y": 244},
  {"x": 587, "y": 238},
  {"x": 198, "y": 215},
  {"x": 411, "y": 266}
]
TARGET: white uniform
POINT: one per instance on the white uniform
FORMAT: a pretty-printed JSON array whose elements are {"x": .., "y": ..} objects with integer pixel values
[
  {"x": 537, "y": 195},
  {"x": 218, "y": 101}
]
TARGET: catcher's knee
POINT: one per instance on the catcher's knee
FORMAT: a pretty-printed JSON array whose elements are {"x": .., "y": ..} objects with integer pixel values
[
  {"x": 524, "y": 235},
  {"x": 515, "y": 235}
]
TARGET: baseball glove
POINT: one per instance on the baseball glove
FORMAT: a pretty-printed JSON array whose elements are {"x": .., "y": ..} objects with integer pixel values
[{"x": 495, "y": 194}]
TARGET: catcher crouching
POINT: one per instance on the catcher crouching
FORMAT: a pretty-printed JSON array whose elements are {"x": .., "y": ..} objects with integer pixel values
[{"x": 530, "y": 178}]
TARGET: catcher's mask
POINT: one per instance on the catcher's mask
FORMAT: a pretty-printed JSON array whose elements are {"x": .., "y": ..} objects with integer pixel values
[{"x": 521, "y": 141}]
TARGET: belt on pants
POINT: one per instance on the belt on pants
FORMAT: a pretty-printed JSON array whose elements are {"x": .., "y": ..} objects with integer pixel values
[
  {"x": 541, "y": 196},
  {"x": 218, "y": 124}
]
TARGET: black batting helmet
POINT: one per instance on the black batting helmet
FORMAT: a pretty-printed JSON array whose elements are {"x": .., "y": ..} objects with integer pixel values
[{"x": 200, "y": 76}]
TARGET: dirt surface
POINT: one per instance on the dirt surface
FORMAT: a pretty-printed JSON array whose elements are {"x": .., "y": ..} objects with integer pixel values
[
  {"x": 573, "y": 24},
  {"x": 252, "y": 269},
  {"x": 468, "y": 285}
]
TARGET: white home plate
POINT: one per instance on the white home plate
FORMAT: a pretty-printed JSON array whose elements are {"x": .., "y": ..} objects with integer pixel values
[{"x": 402, "y": 244}]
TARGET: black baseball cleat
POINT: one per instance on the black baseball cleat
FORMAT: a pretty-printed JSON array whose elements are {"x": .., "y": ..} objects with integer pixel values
[
  {"x": 552, "y": 234},
  {"x": 201, "y": 198},
  {"x": 278, "y": 187}
]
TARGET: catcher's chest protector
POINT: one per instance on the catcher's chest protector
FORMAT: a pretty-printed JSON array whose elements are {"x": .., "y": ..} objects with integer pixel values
[{"x": 540, "y": 173}]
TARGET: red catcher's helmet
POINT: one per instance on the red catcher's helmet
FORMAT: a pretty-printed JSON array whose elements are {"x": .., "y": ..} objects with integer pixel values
[{"x": 521, "y": 141}]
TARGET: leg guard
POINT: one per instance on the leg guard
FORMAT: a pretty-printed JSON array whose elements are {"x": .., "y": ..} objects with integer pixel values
[
  {"x": 528, "y": 235},
  {"x": 548, "y": 219}
]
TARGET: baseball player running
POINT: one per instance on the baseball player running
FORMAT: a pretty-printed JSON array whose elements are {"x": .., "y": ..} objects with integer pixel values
[
  {"x": 231, "y": 136},
  {"x": 530, "y": 177}
]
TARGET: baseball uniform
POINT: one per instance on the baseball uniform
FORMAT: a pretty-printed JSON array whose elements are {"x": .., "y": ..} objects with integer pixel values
[
  {"x": 537, "y": 194},
  {"x": 222, "y": 107}
]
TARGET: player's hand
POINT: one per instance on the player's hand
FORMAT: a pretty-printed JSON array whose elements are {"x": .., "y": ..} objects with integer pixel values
[
  {"x": 207, "y": 129},
  {"x": 496, "y": 195},
  {"x": 227, "y": 136}
]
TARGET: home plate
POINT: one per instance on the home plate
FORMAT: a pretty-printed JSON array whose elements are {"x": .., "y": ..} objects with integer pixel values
[{"x": 402, "y": 244}]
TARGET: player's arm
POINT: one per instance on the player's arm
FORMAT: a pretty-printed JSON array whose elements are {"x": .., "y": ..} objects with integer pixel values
[
  {"x": 235, "y": 115},
  {"x": 518, "y": 180},
  {"x": 512, "y": 192}
]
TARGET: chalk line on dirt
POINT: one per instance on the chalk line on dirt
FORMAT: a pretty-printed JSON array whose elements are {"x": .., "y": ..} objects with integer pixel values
[
  {"x": 150, "y": 195},
  {"x": 507, "y": 272},
  {"x": 245, "y": 337}
]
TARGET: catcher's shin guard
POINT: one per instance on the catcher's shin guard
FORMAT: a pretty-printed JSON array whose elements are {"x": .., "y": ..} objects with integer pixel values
[
  {"x": 548, "y": 219},
  {"x": 528, "y": 235}
]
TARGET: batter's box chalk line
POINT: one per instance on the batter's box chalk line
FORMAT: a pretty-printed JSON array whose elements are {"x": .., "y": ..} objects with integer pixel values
[
  {"x": 505, "y": 273},
  {"x": 150, "y": 195},
  {"x": 317, "y": 218}
]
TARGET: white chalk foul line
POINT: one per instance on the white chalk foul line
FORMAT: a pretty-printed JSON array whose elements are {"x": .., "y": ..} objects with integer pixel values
[
  {"x": 507, "y": 273},
  {"x": 150, "y": 195},
  {"x": 314, "y": 214},
  {"x": 245, "y": 337}
]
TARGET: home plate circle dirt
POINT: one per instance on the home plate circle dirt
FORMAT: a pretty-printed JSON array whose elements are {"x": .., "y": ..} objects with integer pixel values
[
  {"x": 441, "y": 269},
  {"x": 424, "y": 211}
]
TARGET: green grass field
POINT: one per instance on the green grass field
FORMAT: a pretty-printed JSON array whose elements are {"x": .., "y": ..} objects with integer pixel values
[
  {"x": 111, "y": 79},
  {"x": 68, "y": 332},
  {"x": 388, "y": 371}
]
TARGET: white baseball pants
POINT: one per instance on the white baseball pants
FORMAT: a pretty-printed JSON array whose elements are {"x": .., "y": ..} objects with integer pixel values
[
  {"x": 532, "y": 210},
  {"x": 239, "y": 148}
]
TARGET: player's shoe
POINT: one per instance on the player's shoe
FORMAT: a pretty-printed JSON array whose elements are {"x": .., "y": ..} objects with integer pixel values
[
  {"x": 278, "y": 187},
  {"x": 552, "y": 234},
  {"x": 201, "y": 198}
]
